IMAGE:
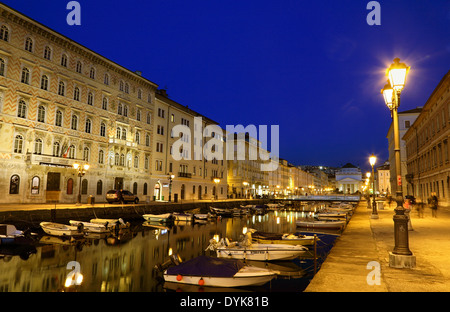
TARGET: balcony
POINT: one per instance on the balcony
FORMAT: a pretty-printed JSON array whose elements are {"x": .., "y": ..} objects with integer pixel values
[{"x": 184, "y": 175}]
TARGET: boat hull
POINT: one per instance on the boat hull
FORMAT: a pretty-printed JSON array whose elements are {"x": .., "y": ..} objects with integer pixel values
[
  {"x": 162, "y": 218},
  {"x": 262, "y": 252},
  {"x": 321, "y": 224},
  {"x": 57, "y": 229},
  {"x": 90, "y": 227},
  {"x": 302, "y": 242}
]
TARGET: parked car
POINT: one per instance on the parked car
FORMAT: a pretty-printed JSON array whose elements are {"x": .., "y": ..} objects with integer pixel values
[{"x": 121, "y": 196}]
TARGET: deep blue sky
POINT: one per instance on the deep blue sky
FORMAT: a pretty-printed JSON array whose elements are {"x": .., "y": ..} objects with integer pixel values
[{"x": 313, "y": 67}]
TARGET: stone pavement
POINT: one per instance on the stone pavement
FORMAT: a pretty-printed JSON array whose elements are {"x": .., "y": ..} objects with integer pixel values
[{"x": 365, "y": 240}]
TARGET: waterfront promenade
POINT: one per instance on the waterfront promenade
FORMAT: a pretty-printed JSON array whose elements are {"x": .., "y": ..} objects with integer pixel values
[{"x": 365, "y": 240}]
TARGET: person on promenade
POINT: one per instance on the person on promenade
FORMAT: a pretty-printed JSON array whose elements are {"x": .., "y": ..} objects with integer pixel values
[
  {"x": 434, "y": 205},
  {"x": 420, "y": 210}
]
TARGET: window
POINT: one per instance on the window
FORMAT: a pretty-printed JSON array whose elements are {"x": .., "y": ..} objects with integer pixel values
[
  {"x": 137, "y": 137},
  {"x": 25, "y": 76},
  {"x": 116, "y": 159},
  {"x": 29, "y": 44},
  {"x": 125, "y": 110},
  {"x": 101, "y": 156},
  {"x": 88, "y": 126},
  {"x": 56, "y": 151},
  {"x": 22, "y": 109},
  {"x": 160, "y": 130},
  {"x": 124, "y": 133},
  {"x": 70, "y": 186},
  {"x": 2, "y": 67},
  {"x": 64, "y": 60},
  {"x": 138, "y": 114},
  {"x": 159, "y": 147},
  {"x": 35, "y": 183},
  {"x": 119, "y": 109},
  {"x": 90, "y": 99},
  {"x": 92, "y": 73},
  {"x": 38, "y": 146},
  {"x": 121, "y": 86},
  {"x": 159, "y": 165},
  {"x": 127, "y": 88},
  {"x": 99, "y": 187},
  {"x": 84, "y": 187},
  {"x": 172, "y": 117},
  {"x": 161, "y": 112},
  {"x": 149, "y": 118},
  {"x": 134, "y": 188},
  {"x": 47, "y": 53},
  {"x": 79, "y": 67},
  {"x": 76, "y": 94},
  {"x": 61, "y": 88},
  {"x": 145, "y": 189},
  {"x": 44, "y": 82},
  {"x": 4, "y": 33},
  {"x": 139, "y": 94},
  {"x": 14, "y": 183},
  {"x": 147, "y": 139},
  {"x": 106, "y": 79},
  {"x": 41, "y": 114},
  {"x": 105, "y": 103},
  {"x": 118, "y": 132},
  {"x": 407, "y": 123},
  {"x": 146, "y": 162},
  {"x": 86, "y": 154},
  {"x": 58, "y": 118},
  {"x": 122, "y": 159},
  {"x": 74, "y": 122},
  {"x": 102, "y": 129},
  {"x": 136, "y": 161},
  {"x": 18, "y": 144},
  {"x": 72, "y": 151}
]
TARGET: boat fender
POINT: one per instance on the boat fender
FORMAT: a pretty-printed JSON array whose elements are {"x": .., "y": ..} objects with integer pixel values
[
  {"x": 179, "y": 277},
  {"x": 201, "y": 281}
]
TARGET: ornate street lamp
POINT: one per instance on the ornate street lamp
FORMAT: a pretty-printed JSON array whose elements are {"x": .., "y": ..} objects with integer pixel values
[
  {"x": 171, "y": 177},
  {"x": 216, "y": 181},
  {"x": 372, "y": 161},
  {"x": 397, "y": 73},
  {"x": 81, "y": 170}
]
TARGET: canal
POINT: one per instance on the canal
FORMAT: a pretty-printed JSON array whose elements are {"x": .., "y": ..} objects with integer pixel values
[{"x": 127, "y": 263}]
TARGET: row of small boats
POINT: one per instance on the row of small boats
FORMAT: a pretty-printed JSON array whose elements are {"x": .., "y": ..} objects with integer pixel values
[{"x": 77, "y": 228}]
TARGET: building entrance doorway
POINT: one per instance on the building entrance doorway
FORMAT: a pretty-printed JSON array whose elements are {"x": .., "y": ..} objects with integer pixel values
[
  {"x": 157, "y": 191},
  {"x": 118, "y": 183}
]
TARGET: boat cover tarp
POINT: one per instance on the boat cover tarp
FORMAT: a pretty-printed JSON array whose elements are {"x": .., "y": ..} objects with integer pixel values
[{"x": 207, "y": 266}]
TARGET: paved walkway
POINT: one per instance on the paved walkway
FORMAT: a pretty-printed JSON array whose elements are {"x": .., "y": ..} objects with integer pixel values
[{"x": 365, "y": 240}]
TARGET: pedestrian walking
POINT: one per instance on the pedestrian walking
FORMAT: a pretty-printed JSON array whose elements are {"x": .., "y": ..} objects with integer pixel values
[
  {"x": 434, "y": 205},
  {"x": 420, "y": 209}
]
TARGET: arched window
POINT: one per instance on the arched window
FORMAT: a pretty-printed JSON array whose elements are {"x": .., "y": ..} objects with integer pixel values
[
  {"x": 76, "y": 94},
  {"x": 2, "y": 67},
  {"x": 14, "y": 184},
  {"x": 102, "y": 129},
  {"x": 58, "y": 118},
  {"x": 72, "y": 151},
  {"x": 86, "y": 154},
  {"x": 4, "y": 33},
  {"x": 84, "y": 186},
  {"x": 61, "y": 88},
  {"x": 79, "y": 67},
  {"x": 44, "y": 82},
  {"x": 22, "y": 109},
  {"x": 88, "y": 126},
  {"x": 136, "y": 161},
  {"x": 121, "y": 85},
  {"x": 118, "y": 132},
  {"x": 149, "y": 118},
  {"x": 64, "y": 60},
  {"x": 105, "y": 103},
  {"x": 70, "y": 186},
  {"x": 90, "y": 99},
  {"x": 41, "y": 113},
  {"x": 116, "y": 159},
  {"x": 124, "y": 133},
  {"x": 138, "y": 114},
  {"x": 99, "y": 187},
  {"x": 74, "y": 122},
  {"x": 122, "y": 160},
  {"x": 18, "y": 144},
  {"x": 145, "y": 188},
  {"x": 101, "y": 156},
  {"x": 38, "y": 146},
  {"x": 29, "y": 44},
  {"x": 135, "y": 188},
  {"x": 47, "y": 53},
  {"x": 25, "y": 78},
  {"x": 127, "y": 88},
  {"x": 92, "y": 73},
  {"x": 125, "y": 110},
  {"x": 35, "y": 184},
  {"x": 139, "y": 94},
  {"x": 119, "y": 109},
  {"x": 106, "y": 79},
  {"x": 147, "y": 139},
  {"x": 137, "y": 137},
  {"x": 56, "y": 151}
]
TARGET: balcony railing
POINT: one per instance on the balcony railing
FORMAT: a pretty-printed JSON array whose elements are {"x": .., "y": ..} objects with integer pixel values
[{"x": 184, "y": 175}]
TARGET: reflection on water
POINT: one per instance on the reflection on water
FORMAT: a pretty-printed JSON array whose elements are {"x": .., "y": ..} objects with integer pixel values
[{"x": 127, "y": 264}]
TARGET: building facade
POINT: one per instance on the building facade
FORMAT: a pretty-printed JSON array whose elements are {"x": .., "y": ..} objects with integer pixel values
[
  {"x": 349, "y": 179},
  {"x": 427, "y": 151}
]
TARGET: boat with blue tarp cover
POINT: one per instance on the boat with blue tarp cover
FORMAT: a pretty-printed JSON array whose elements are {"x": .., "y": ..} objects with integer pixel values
[{"x": 218, "y": 272}]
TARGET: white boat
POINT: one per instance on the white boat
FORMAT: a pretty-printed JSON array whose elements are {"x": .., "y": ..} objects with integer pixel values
[
  {"x": 58, "y": 229},
  {"x": 202, "y": 216},
  {"x": 338, "y": 224},
  {"x": 10, "y": 235},
  {"x": 255, "y": 251},
  {"x": 223, "y": 212},
  {"x": 162, "y": 218},
  {"x": 111, "y": 224},
  {"x": 181, "y": 216},
  {"x": 331, "y": 215},
  {"x": 275, "y": 238},
  {"x": 91, "y": 227},
  {"x": 217, "y": 272}
]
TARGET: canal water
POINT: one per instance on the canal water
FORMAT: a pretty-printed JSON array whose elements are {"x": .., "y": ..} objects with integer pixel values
[{"x": 127, "y": 263}]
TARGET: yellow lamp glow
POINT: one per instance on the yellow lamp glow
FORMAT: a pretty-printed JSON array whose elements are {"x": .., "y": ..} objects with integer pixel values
[
  {"x": 388, "y": 95},
  {"x": 75, "y": 165},
  {"x": 397, "y": 73},
  {"x": 372, "y": 160}
]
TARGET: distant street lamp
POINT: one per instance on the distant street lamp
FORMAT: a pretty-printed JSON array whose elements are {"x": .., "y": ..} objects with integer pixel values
[
  {"x": 216, "y": 181},
  {"x": 171, "y": 177},
  {"x": 372, "y": 161},
  {"x": 397, "y": 73},
  {"x": 81, "y": 170}
]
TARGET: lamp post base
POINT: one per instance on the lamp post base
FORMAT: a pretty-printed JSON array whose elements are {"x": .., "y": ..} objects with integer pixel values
[
  {"x": 374, "y": 216},
  {"x": 402, "y": 261}
]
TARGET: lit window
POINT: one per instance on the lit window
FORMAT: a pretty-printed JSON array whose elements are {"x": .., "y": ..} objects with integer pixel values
[
  {"x": 25, "y": 76},
  {"x": 41, "y": 113},
  {"x": 4, "y": 33},
  {"x": 44, "y": 82},
  {"x": 18, "y": 144},
  {"x": 29, "y": 44}
]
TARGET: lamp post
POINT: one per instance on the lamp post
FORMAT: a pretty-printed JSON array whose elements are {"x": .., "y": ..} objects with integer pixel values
[
  {"x": 81, "y": 170},
  {"x": 372, "y": 160},
  {"x": 171, "y": 177},
  {"x": 397, "y": 73},
  {"x": 216, "y": 181}
]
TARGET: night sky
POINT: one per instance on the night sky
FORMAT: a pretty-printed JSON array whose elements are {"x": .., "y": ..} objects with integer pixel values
[{"x": 315, "y": 68}]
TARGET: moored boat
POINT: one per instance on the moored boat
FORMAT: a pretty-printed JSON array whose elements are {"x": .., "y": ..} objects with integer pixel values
[
  {"x": 10, "y": 235},
  {"x": 313, "y": 224},
  {"x": 91, "y": 227},
  {"x": 59, "y": 229},
  {"x": 181, "y": 216},
  {"x": 223, "y": 212},
  {"x": 277, "y": 238},
  {"x": 161, "y": 218},
  {"x": 218, "y": 272},
  {"x": 111, "y": 224}
]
